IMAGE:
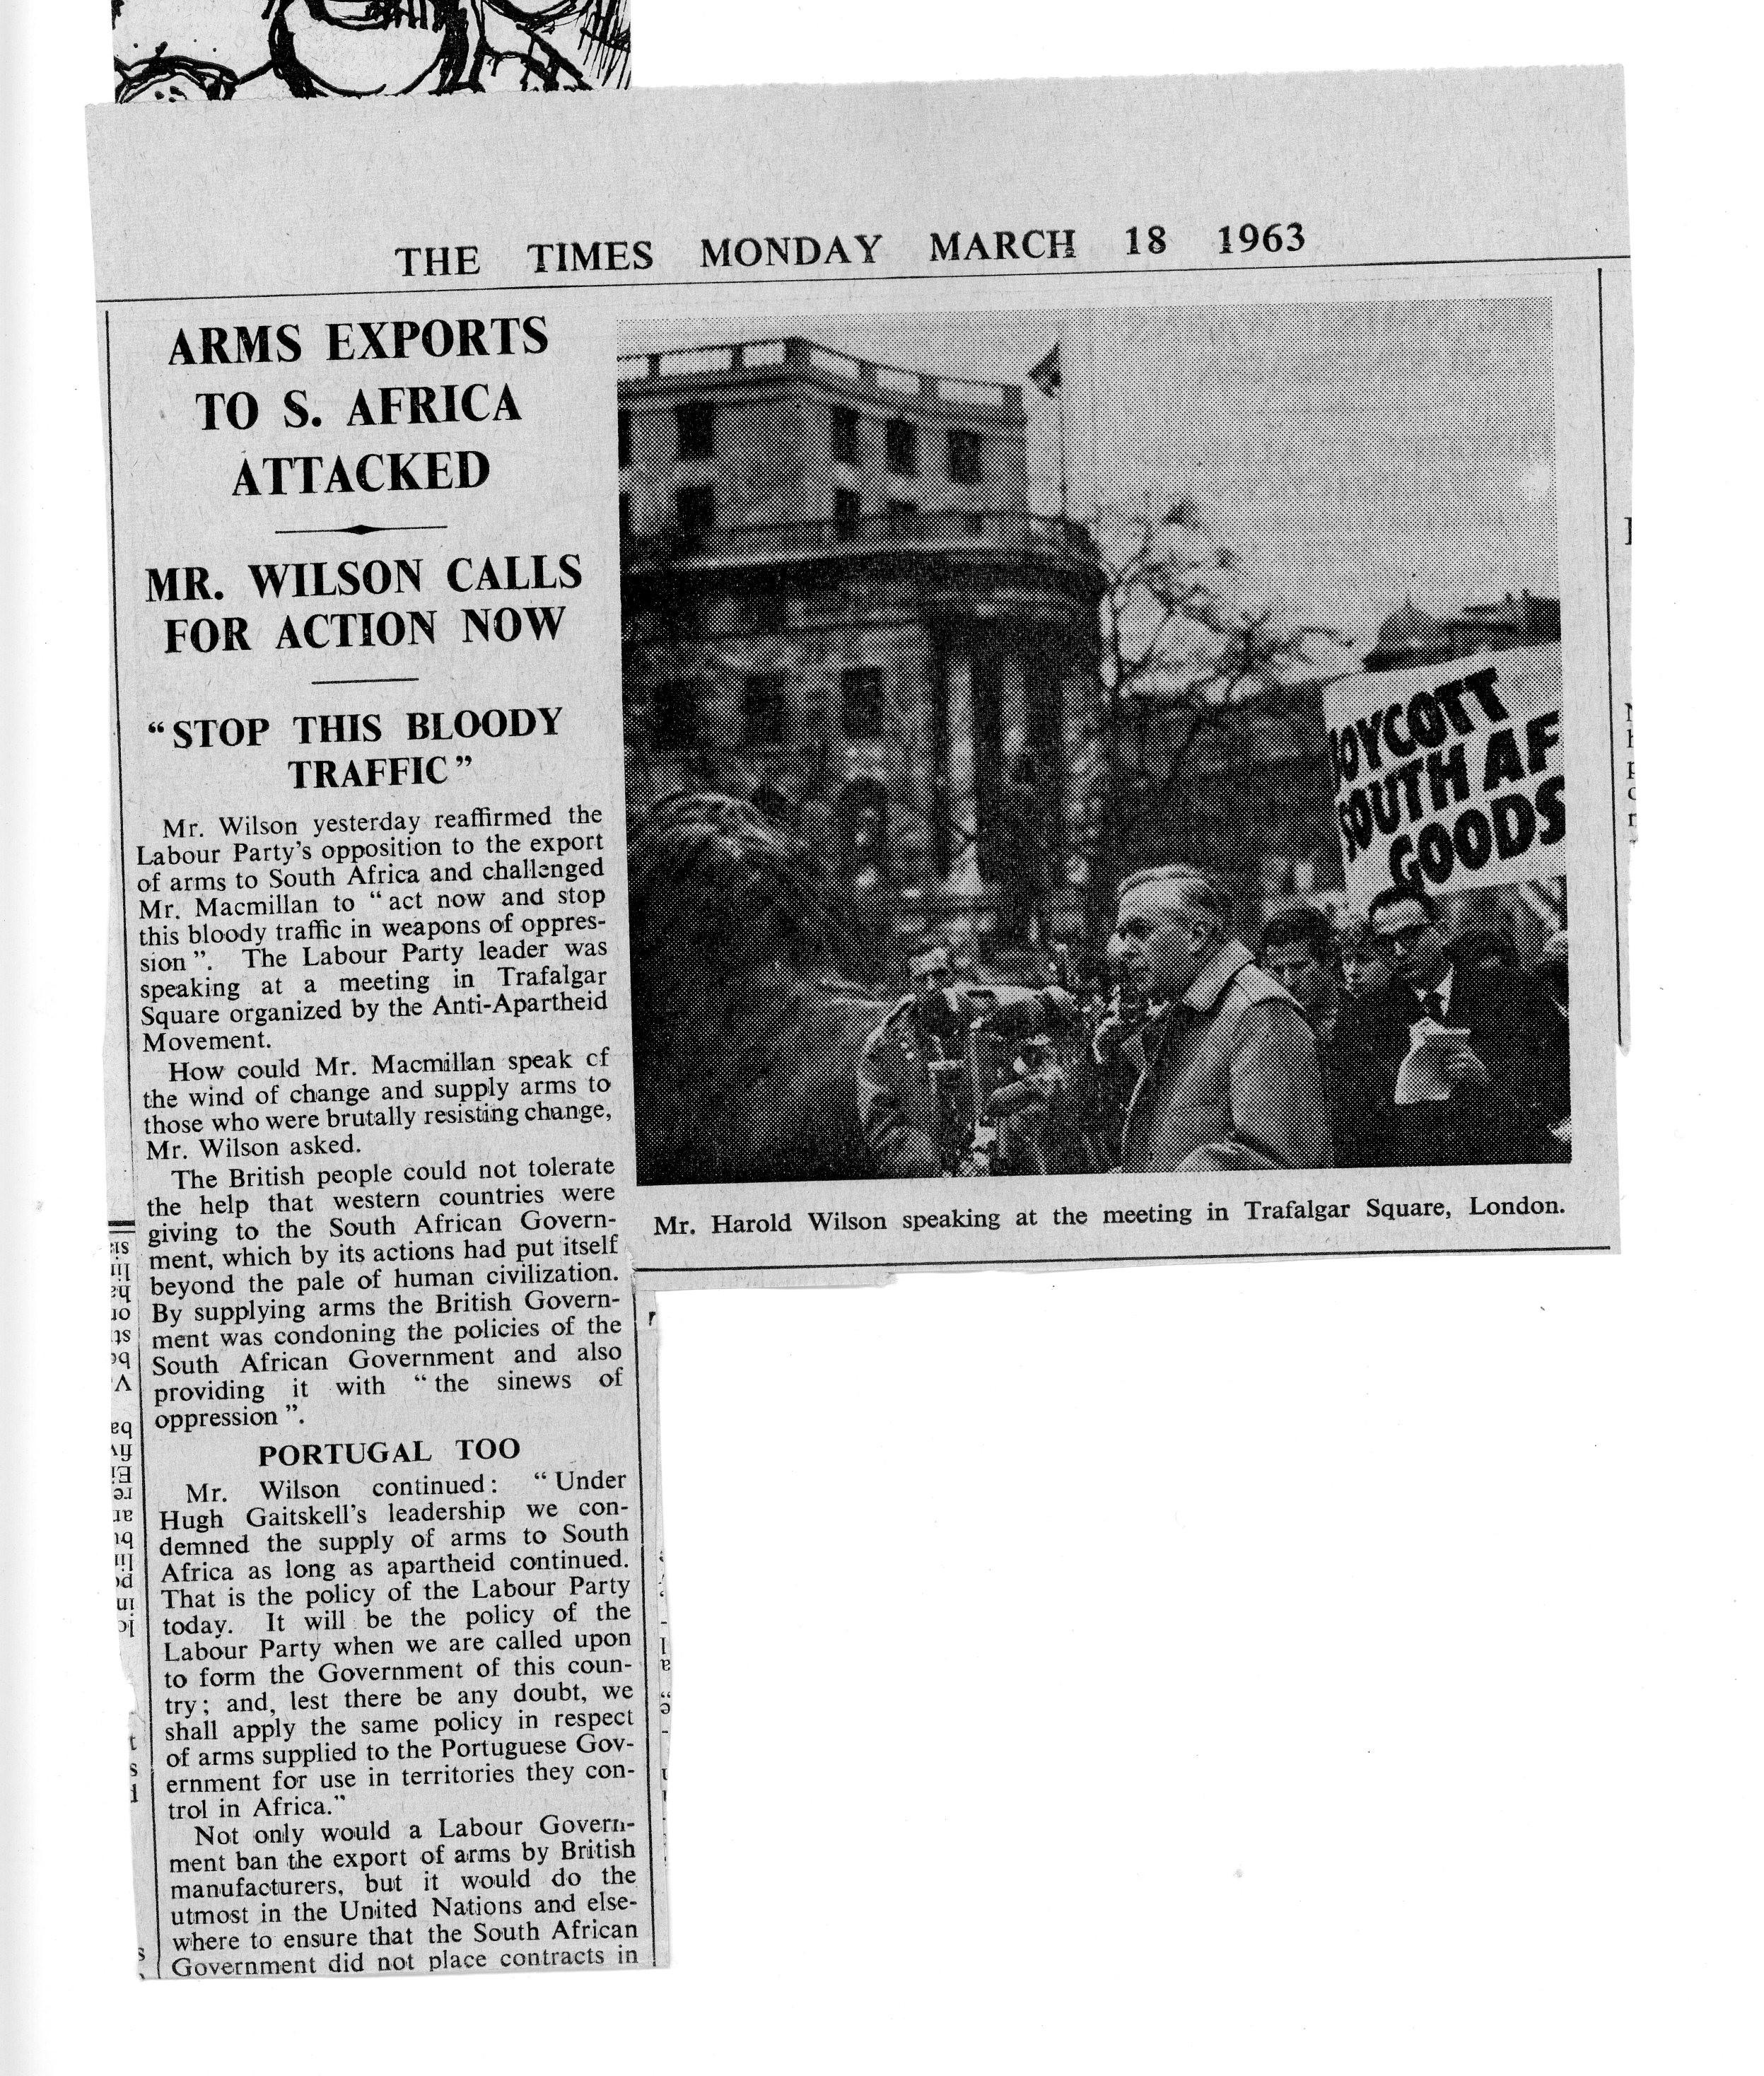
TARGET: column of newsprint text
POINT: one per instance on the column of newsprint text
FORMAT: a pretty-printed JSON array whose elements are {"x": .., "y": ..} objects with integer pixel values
[{"x": 393, "y": 1570}]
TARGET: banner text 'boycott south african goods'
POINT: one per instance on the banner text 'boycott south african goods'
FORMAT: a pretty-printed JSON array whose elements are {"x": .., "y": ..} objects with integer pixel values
[{"x": 1450, "y": 778}]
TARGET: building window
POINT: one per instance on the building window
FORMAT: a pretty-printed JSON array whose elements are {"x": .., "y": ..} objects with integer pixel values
[
  {"x": 694, "y": 426},
  {"x": 963, "y": 457},
  {"x": 674, "y": 716},
  {"x": 764, "y": 717},
  {"x": 624, "y": 515},
  {"x": 765, "y": 613},
  {"x": 624, "y": 439},
  {"x": 902, "y": 443},
  {"x": 903, "y": 517},
  {"x": 695, "y": 508},
  {"x": 860, "y": 704},
  {"x": 847, "y": 509},
  {"x": 845, "y": 446},
  {"x": 679, "y": 614}
]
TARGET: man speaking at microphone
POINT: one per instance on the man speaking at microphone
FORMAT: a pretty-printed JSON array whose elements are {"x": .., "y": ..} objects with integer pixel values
[{"x": 1230, "y": 1077}]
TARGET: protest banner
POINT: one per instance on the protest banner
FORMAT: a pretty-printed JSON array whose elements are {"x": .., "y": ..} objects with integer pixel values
[{"x": 1450, "y": 777}]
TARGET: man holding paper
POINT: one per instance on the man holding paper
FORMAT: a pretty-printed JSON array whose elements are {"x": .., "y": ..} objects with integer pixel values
[{"x": 1472, "y": 1069}]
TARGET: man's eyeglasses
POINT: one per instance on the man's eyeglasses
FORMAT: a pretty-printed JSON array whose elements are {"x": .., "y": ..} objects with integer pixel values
[
  {"x": 1139, "y": 927},
  {"x": 1401, "y": 940}
]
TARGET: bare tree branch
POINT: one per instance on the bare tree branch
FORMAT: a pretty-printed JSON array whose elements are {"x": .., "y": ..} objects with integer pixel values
[{"x": 1184, "y": 644}]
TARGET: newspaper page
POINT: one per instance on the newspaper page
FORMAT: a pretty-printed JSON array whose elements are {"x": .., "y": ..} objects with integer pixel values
[{"x": 908, "y": 677}]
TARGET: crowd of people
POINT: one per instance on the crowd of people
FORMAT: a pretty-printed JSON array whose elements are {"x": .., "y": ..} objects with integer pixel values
[{"x": 1378, "y": 1041}]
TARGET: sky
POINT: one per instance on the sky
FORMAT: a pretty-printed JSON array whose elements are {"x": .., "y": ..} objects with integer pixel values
[{"x": 1350, "y": 454}]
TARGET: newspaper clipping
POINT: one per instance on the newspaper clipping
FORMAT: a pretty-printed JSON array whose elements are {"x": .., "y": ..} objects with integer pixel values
[{"x": 800, "y": 684}]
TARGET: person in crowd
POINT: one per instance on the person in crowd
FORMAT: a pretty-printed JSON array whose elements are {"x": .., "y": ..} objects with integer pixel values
[
  {"x": 1230, "y": 1077},
  {"x": 1298, "y": 950},
  {"x": 1484, "y": 951},
  {"x": 1118, "y": 1022},
  {"x": 916, "y": 1099},
  {"x": 1363, "y": 970},
  {"x": 905, "y": 1071},
  {"x": 1552, "y": 977},
  {"x": 1506, "y": 1074}
]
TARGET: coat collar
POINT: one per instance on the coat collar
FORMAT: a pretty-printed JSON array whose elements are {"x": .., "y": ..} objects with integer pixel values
[{"x": 1203, "y": 993}]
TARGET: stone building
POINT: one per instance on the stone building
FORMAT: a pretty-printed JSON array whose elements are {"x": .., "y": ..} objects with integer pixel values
[{"x": 838, "y": 603}]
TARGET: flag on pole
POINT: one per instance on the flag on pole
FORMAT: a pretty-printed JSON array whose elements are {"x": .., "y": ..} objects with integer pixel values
[{"x": 1045, "y": 374}]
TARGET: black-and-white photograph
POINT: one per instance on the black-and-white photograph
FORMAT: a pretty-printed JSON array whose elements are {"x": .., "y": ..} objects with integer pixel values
[{"x": 1124, "y": 741}]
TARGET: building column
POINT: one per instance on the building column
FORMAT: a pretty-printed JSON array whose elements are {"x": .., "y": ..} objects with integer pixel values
[
  {"x": 985, "y": 714},
  {"x": 1079, "y": 707},
  {"x": 964, "y": 879},
  {"x": 1013, "y": 704}
]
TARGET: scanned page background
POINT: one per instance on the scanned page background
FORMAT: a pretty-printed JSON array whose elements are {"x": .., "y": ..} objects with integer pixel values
[{"x": 1419, "y": 1619}]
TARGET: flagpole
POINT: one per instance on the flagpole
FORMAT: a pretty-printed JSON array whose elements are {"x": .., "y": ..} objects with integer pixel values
[
  {"x": 1048, "y": 376},
  {"x": 1060, "y": 403}
]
